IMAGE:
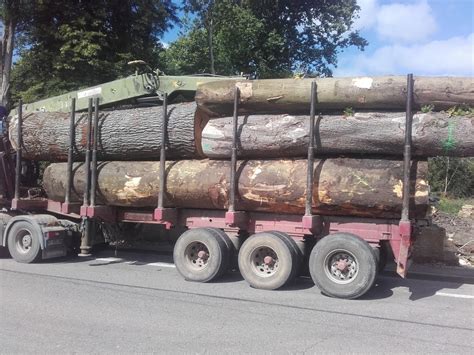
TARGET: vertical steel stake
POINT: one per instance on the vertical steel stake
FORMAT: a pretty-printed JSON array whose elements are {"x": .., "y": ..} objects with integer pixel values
[
  {"x": 87, "y": 164},
  {"x": 407, "y": 150},
  {"x": 233, "y": 158},
  {"x": 310, "y": 170},
  {"x": 88, "y": 224},
  {"x": 19, "y": 150},
  {"x": 72, "y": 132},
  {"x": 95, "y": 136},
  {"x": 164, "y": 127}
]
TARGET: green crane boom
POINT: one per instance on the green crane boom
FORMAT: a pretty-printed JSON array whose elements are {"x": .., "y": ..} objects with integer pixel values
[{"x": 150, "y": 83}]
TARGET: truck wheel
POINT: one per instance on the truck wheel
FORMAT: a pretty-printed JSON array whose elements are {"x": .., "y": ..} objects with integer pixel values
[
  {"x": 267, "y": 260},
  {"x": 343, "y": 265},
  {"x": 297, "y": 251},
  {"x": 4, "y": 219},
  {"x": 382, "y": 254},
  {"x": 230, "y": 247},
  {"x": 23, "y": 242},
  {"x": 201, "y": 255}
]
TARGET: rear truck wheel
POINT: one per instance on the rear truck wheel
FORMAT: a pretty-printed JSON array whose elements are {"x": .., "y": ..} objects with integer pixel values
[
  {"x": 343, "y": 265},
  {"x": 296, "y": 250},
  {"x": 201, "y": 255},
  {"x": 23, "y": 242},
  {"x": 382, "y": 254},
  {"x": 4, "y": 219},
  {"x": 268, "y": 260},
  {"x": 230, "y": 247}
]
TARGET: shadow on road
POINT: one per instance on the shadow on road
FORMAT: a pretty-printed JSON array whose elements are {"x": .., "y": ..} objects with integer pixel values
[{"x": 418, "y": 288}]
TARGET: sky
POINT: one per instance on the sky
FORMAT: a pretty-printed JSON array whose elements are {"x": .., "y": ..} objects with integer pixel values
[{"x": 423, "y": 37}]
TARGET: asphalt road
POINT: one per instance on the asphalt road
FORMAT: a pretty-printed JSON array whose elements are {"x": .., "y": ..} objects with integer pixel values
[{"x": 141, "y": 305}]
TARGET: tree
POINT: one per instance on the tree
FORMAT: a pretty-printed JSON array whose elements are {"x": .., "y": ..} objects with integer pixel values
[
  {"x": 452, "y": 177},
  {"x": 270, "y": 38},
  {"x": 14, "y": 16},
  {"x": 73, "y": 43}
]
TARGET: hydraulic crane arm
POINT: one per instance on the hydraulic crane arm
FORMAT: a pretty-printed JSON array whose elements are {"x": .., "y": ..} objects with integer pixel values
[{"x": 134, "y": 86}]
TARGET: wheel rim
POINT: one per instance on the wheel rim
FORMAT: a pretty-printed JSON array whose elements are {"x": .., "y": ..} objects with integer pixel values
[
  {"x": 264, "y": 261},
  {"x": 197, "y": 255},
  {"x": 23, "y": 241},
  {"x": 341, "y": 266}
]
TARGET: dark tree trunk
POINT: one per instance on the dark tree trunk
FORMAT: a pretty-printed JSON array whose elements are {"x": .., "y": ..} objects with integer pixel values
[
  {"x": 377, "y": 133},
  {"x": 131, "y": 134},
  {"x": 293, "y": 95},
  {"x": 355, "y": 187},
  {"x": 6, "y": 57}
]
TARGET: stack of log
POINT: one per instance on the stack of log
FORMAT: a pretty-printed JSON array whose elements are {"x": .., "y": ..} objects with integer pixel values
[{"x": 359, "y": 139}]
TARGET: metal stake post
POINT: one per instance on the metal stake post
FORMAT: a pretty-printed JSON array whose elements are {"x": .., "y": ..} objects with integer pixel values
[
  {"x": 407, "y": 150},
  {"x": 18, "y": 151},
  {"x": 95, "y": 135},
  {"x": 405, "y": 225},
  {"x": 164, "y": 127},
  {"x": 310, "y": 170},
  {"x": 88, "y": 224},
  {"x": 70, "y": 151},
  {"x": 87, "y": 164},
  {"x": 233, "y": 158}
]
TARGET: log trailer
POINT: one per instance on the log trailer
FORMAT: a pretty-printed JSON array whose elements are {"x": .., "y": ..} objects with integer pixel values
[{"x": 343, "y": 254}]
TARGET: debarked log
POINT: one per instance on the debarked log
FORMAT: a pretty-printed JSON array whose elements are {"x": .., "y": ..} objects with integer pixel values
[
  {"x": 366, "y": 93},
  {"x": 375, "y": 133},
  {"x": 126, "y": 134},
  {"x": 354, "y": 187}
]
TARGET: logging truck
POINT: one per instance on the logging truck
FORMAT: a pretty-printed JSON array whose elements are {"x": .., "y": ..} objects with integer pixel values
[{"x": 343, "y": 253}]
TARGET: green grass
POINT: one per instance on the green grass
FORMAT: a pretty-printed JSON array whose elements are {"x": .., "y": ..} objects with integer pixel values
[{"x": 453, "y": 205}]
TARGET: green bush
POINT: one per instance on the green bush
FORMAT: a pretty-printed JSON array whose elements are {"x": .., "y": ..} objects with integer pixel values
[{"x": 451, "y": 177}]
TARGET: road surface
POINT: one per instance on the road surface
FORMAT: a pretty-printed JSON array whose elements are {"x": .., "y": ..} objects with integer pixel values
[{"x": 139, "y": 304}]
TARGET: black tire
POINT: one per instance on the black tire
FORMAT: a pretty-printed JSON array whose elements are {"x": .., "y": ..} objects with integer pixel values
[
  {"x": 4, "y": 253},
  {"x": 360, "y": 266},
  {"x": 298, "y": 260},
  {"x": 23, "y": 242},
  {"x": 382, "y": 254},
  {"x": 271, "y": 276},
  {"x": 230, "y": 247},
  {"x": 212, "y": 264}
]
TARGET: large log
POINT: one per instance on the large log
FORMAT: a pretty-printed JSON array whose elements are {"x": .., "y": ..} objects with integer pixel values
[
  {"x": 356, "y": 187},
  {"x": 293, "y": 95},
  {"x": 130, "y": 134},
  {"x": 377, "y": 133}
]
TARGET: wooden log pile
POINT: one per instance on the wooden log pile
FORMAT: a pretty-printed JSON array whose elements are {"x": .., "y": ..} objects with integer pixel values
[
  {"x": 129, "y": 134},
  {"x": 273, "y": 127},
  {"x": 334, "y": 94},
  {"x": 361, "y": 187}
]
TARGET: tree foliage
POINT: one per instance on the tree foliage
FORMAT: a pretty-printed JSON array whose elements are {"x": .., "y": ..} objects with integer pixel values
[
  {"x": 74, "y": 43},
  {"x": 266, "y": 38},
  {"x": 453, "y": 177},
  {"x": 14, "y": 16}
]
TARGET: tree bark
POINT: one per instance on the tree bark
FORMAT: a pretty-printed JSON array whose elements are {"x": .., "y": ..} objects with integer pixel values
[
  {"x": 377, "y": 133},
  {"x": 6, "y": 52},
  {"x": 294, "y": 96},
  {"x": 131, "y": 134},
  {"x": 354, "y": 187}
]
